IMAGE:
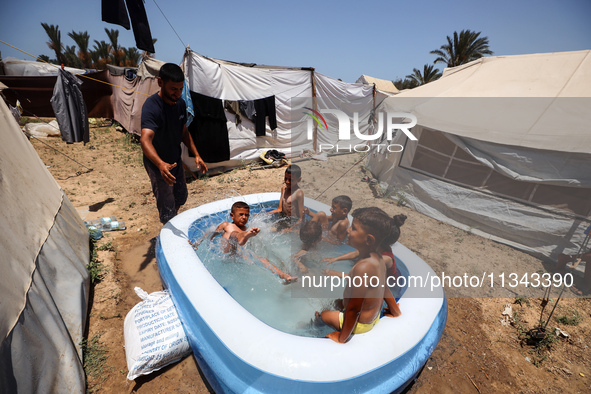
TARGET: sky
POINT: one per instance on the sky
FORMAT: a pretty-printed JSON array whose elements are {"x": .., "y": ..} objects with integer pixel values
[{"x": 340, "y": 39}]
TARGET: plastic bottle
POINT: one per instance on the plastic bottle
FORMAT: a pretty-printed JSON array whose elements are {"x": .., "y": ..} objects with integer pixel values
[
  {"x": 94, "y": 232},
  {"x": 112, "y": 225},
  {"x": 109, "y": 223},
  {"x": 101, "y": 221}
]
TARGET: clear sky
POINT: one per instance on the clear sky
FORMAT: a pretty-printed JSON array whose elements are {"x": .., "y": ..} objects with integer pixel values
[{"x": 341, "y": 39}]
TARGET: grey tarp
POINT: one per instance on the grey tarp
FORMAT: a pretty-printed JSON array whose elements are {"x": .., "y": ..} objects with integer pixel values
[{"x": 44, "y": 283}]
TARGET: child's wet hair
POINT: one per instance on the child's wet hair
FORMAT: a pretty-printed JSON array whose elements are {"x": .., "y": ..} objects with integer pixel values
[
  {"x": 239, "y": 205},
  {"x": 391, "y": 230},
  {"x": 310, "y": 233},
  {"x": 294, "y": 170},
  {"x": 343, "y": 201}
]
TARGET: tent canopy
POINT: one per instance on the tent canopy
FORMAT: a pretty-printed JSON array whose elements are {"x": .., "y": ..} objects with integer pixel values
[{"x": 503, "y": 149}]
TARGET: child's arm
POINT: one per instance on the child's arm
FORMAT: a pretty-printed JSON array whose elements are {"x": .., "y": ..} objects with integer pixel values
[
  {"x": 243, "y": 236},
  {"x": 393, "y": 308},
  {"x": 347, "y": 256},
  {"x": 280, "y": 207},
  {"x": 297, "y": 200}
]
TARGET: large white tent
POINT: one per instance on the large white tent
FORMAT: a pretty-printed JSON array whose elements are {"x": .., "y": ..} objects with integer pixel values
[
  {"x": 44, "y": 283},
  {"x": 503, "y": 150}
]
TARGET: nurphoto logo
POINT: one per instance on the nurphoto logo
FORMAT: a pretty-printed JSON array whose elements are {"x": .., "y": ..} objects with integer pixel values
[{"x": 393, "y": 121}]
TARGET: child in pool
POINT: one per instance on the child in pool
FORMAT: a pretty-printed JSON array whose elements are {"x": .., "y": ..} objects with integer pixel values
[
  {"x": 310, "y": 234},
  {"x": 364, "y": 294},
  {"x": 236, "y": 233},
  {"x": 338, "y": 222},
  {"x": 291, "y": 202},
  {"x": 385, "y": 249}
]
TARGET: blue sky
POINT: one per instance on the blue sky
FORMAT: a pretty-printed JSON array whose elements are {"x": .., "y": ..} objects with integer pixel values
[{"x": 341, "y": 39}]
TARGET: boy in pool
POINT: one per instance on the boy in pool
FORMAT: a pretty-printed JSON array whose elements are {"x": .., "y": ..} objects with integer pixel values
[
  {"x": 291, "y": 202},
  {"x": 236, "y": 233},
  {"x": 310, "y": 234},
  {"x": 365, "y": 292},
  {"x": 338, "y": 222}
]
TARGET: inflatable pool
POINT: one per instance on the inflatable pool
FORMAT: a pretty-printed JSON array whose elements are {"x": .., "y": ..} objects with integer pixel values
[{"x": 238, "y": 353}]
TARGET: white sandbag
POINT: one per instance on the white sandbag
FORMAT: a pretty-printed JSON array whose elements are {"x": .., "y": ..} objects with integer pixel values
[
  {"x": 154, "y": 336},
  {"x": 42, "y": 130}
]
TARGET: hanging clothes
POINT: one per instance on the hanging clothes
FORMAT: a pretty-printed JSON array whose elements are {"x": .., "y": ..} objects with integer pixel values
[
  {"x": 187, "y": 97},
  {"x": 247, "y": 109},
  {"x": 113, "y": 11},
  {"x": 209, "y": 130},
  {"x": 233, "y": 107},
  {"x": 264, "y": 107},
  {"x": 69, "y": 108}
]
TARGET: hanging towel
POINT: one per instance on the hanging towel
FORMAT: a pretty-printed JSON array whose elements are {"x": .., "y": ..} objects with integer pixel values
[{"x": 209, "y": 130}]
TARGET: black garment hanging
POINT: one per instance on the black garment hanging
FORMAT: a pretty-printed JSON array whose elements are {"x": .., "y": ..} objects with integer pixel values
[
  {"x": 209, "y": 130},
  {"x": 113, "y": 11},
  {"x": 264, "y": 107}
]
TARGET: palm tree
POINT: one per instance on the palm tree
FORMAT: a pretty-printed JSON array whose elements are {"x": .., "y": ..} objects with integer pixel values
[
  {"x": 71, "y": 59},
  {"x": 132, "y": 57},
  {"x": 101, "y": 54},
  {"x": 462, "y": 49},
  {"x": 407, "y": 83},
  {"x": 55, "y": 41},
  {"x": 117, "y": 52},
  {"x": 429, "y": 74},
  {"x": 81, "y": 39}
]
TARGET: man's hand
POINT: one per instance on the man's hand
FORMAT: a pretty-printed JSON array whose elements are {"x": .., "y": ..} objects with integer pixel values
[
  {"x": 201, "y": 166},
  {"x": 165, "y": 172}
]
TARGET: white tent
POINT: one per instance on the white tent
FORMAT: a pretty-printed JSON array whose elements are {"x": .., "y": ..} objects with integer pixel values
[
  {"x": 504, "y": 149},
  {"x": 44, "y": 282},
  {"x": 382, "y": 85}
]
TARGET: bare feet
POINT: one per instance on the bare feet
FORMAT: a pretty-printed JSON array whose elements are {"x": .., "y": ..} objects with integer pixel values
[{"x": 289, "y": 279}]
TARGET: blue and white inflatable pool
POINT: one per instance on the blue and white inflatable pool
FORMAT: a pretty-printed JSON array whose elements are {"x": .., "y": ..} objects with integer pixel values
[{"x": 240, "y": 354}]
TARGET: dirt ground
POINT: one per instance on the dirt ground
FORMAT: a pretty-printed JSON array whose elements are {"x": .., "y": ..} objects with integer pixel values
[{"x": 481, "y": 350}]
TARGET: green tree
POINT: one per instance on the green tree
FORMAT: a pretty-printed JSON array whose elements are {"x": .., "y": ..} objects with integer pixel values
[
  {"x": 406, "y": 83},
  {"x": 117, "y": 52},
  {"x": 71, "y": 59},
  {"x": 101, "y": 54},
  {"x": 132, "y": 57},
  {"x": 463, "y": 48},
  {"x": 55, "y": 41},
  {"x": 429, "y": 74},
  {"x": 81, "y": 39}
]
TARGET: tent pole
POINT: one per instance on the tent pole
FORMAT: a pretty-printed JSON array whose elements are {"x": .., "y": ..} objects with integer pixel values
[{"x": 315, "y": 105}]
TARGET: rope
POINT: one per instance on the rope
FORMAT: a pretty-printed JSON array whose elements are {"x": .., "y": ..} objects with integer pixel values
[
  {"x": 184, "y": 46},
  {"x": 79, "y": 75},
  {"x": 345, "y": 173}
]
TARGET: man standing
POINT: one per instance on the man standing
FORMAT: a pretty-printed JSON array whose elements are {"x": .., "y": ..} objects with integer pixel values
[{"x": 164, "y": 117}]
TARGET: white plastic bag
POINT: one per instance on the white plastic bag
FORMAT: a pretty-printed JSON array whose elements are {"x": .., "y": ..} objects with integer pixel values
[
  {"x": 154, "y": 336},
  {"x": 42, "y": 130}
]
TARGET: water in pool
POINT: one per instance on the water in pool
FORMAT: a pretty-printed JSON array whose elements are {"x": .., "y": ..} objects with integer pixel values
[{"x": 256, "y": 288}]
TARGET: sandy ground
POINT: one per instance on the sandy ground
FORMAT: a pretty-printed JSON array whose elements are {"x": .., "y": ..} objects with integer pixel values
[{"x": 477, "y": 353}]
